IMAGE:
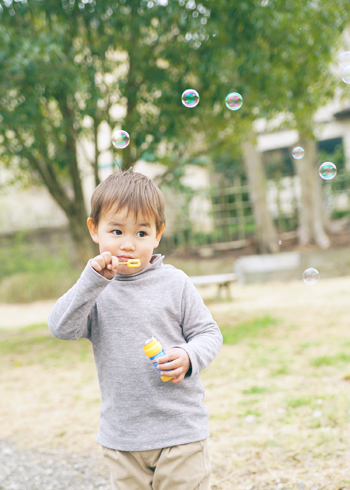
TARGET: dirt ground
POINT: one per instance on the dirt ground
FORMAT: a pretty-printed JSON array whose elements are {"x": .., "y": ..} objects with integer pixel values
[
  {"x": 21, "y": 315},
  {"x": 279, "y": 400}
]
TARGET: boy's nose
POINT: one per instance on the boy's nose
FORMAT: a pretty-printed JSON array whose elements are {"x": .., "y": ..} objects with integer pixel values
[{"x": 127, "y": 247}]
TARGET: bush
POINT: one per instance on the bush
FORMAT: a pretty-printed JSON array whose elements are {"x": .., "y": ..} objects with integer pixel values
[
  {"x": 29, "y": 271},
  {"x": 35, "y": 286}
]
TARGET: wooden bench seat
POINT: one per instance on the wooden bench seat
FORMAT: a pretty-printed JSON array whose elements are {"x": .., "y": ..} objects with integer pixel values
[{"x": 222, "y": 280}]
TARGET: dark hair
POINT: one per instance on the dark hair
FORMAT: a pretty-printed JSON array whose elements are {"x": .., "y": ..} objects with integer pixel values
[{"x": 131, "y": 190}]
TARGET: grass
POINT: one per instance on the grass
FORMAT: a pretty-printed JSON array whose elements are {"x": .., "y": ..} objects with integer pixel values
[
  {"x": 299, "y": 401},
  {"x": 277, "y": 394},
  {"x": 340, "y": 358},
  {"x": 30, "y": 272},
  {"x": 256, "y": 390},
  {"x": 247, "y": 329},
  {"x": 36, "y": 345},
  {"x": 20, "y": 255},
  {"x": 27, "y": 287}
]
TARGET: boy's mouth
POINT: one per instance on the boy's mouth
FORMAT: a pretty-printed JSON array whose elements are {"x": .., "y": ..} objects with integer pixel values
[{"x": 125, "y": 258}]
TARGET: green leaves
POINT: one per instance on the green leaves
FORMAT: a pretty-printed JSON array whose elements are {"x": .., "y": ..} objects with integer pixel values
[{"x": 69, "y": 68}]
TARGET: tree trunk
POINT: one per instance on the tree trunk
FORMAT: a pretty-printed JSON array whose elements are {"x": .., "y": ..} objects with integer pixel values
[
  {"x": 312, "y": 216},
  {"x": 265, "y": 230},
  {"x": 85, "y": 248}
]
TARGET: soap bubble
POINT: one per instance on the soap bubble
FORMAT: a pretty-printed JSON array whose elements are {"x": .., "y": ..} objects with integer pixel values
[
  {"x": 120, "y": 139},
  {"x": 279, "y": 242},
  {"x": 311, "y": 276},
  {"x": 190, "y": 98},
  {"x": 344, "y": 59},
  {"x": 234, "y": 101},
  {"x": 327, "y": 171},
  {"x": 298, "y": 152},
  {"x": 346, "y": 75}
]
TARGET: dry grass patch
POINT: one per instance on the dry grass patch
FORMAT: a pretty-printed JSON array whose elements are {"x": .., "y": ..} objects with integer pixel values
[{"x": 278, "y": 394}]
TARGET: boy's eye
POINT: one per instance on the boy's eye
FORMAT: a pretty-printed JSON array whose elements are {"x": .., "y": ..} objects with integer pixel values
[{"x": 118, "y": 232}]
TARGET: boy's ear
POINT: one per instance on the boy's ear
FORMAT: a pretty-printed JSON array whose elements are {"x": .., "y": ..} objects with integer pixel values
[
  {"x": 159, "y": 236},
  {"x": 92, "y": 230}
]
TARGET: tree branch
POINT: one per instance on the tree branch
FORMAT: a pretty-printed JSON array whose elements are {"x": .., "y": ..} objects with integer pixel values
[
  {"x": 48, "y": 177},
  {"x": 160, "y": 179}
]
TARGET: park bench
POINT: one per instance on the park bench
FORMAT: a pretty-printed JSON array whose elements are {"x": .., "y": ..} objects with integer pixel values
[{"x": 222, "y": 280}]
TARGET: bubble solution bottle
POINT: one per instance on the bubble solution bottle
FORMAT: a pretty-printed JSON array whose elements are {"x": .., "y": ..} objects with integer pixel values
[{"x": 153, "y": 349}]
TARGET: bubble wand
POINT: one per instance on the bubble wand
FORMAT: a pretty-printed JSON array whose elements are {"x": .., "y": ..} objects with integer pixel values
[{"x": 132, "y": 263}]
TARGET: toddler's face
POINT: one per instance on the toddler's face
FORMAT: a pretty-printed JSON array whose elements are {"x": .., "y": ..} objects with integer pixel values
[{"x": 124, "y": 238}]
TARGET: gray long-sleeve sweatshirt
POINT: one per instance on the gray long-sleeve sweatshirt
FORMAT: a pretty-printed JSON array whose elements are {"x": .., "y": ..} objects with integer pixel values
[{"x": 139, "y": 411}]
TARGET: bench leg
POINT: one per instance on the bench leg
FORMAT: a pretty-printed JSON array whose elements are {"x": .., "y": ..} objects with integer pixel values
[{"x": 228, "y": 295}]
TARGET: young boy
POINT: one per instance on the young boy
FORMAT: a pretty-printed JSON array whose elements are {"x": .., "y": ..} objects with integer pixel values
[{"x": 154, "y": 434}]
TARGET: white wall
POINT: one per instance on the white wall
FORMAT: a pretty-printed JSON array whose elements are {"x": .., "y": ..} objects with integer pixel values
[{"x": 29, "y": 209}]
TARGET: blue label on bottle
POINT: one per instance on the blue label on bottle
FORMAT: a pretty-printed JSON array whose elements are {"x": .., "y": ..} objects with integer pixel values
[{"x": 159, "y": 354}]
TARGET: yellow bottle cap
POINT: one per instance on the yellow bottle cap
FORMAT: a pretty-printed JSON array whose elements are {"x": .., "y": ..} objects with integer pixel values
[{"x": 152, "y": 347}]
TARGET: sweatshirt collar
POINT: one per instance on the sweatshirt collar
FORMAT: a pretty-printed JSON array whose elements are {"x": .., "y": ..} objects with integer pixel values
[{"x": 155, "y": 262}]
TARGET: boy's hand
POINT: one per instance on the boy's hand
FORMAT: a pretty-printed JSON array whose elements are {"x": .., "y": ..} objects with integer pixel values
[
  {"x": 179, "y": 365},
  {"x": 105, "y": 264}
]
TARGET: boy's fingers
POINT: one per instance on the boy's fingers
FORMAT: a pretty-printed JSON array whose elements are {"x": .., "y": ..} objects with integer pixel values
[
  {"x": 170, "y": 366},
  {"x": 114, "y": 263},
  {"x": 96, "y": 265},
  {"x": 106, "y": 257},
  {"x": 102, "y": 261},
  {"x": 178, "y": 379}
]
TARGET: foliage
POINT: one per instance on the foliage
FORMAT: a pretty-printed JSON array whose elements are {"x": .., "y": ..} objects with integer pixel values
[
  {"x": 337, "y": 156},
  {"x": 32, "y": 286},
  {"x": 21, "y": 257},
  {"x": 73, "y": 67},
  {"x": 278, "y": 164},
  {"x": 341, "y": 183},
  {"x": 32, "y": 273},
  {"x": 76, "y": 69}
]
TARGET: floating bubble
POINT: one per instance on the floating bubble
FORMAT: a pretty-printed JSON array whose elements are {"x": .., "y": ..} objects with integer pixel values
[
  {"x": 311, "y": 276},
  {"x": 344, "y": 59},
  {"x": 120, "y": 139},
  {"x": 190, "y": 98},
  {"x": 234, "y": 101},
  {"x": 346, "y": 75},
  {"x": 298, "y": 152},
  {"x": 279, "y": 242},
  {"x": 327, "y": 171}
]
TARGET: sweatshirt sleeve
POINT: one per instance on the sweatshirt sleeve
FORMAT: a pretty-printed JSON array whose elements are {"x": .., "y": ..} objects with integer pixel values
[
  {"x": 70, "y": 318},
  {"x": 202, "y": 334}
]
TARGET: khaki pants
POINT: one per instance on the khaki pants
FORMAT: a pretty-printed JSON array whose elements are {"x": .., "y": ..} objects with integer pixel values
[{"x": 183, "y": 467}]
